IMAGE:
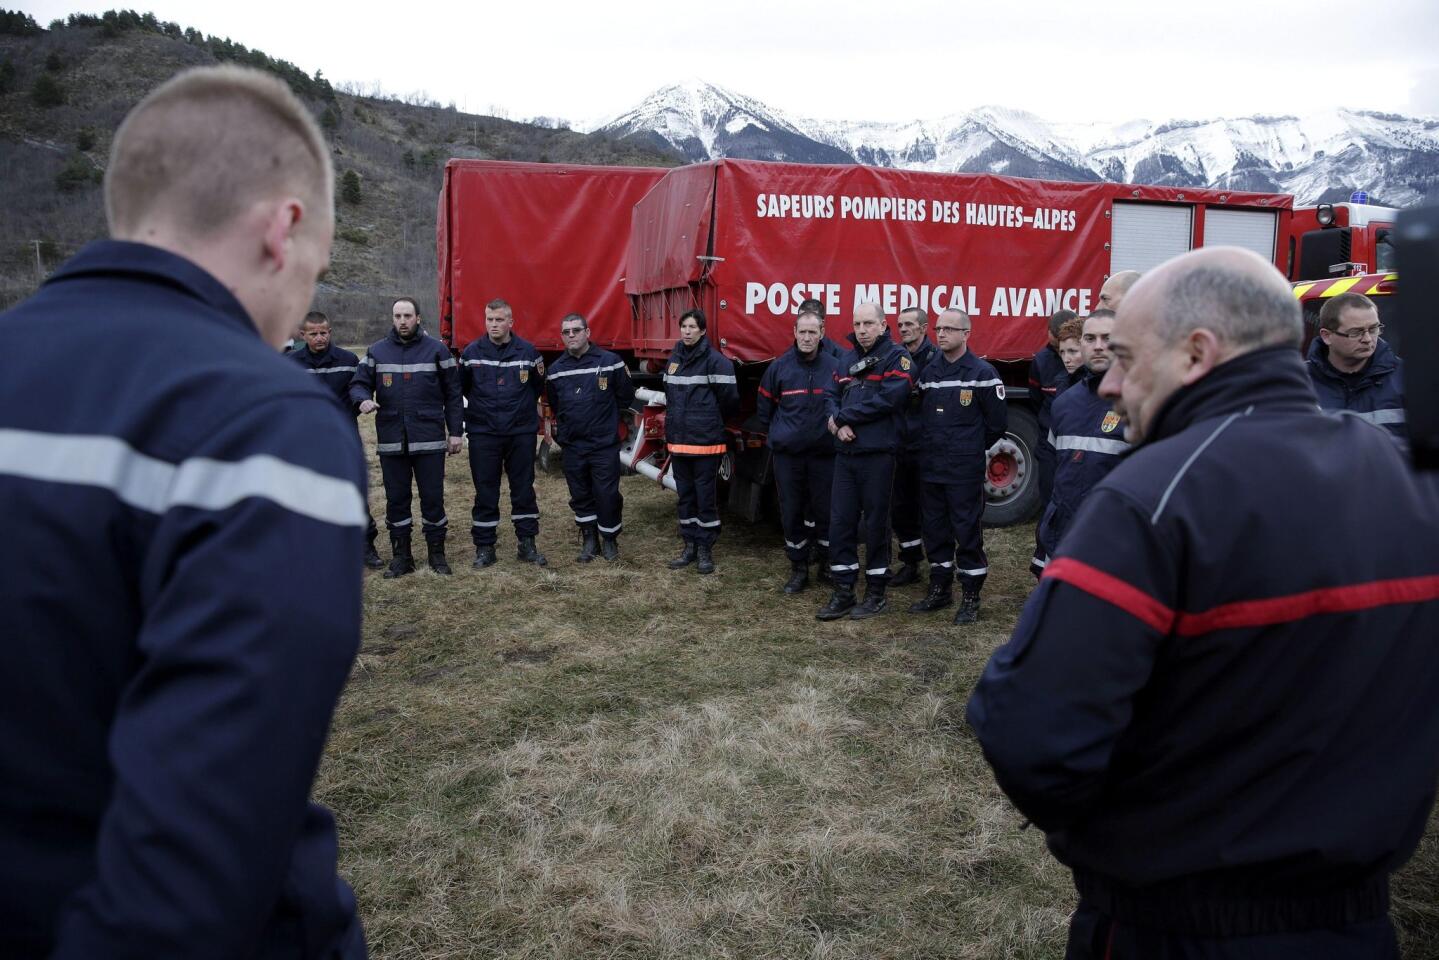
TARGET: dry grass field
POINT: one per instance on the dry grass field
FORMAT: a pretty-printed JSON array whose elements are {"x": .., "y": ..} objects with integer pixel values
[{"x": 623, "y": 761}]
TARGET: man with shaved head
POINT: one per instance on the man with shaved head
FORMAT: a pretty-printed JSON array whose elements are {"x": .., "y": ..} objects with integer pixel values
[
  {"x": 1112, "y": 294},
  {"x": 169, "y": 689},
  {"x": 1219, "y": 701}
]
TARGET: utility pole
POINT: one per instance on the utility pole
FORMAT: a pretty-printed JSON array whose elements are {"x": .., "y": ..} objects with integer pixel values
[{"x": 39, "y": 264}]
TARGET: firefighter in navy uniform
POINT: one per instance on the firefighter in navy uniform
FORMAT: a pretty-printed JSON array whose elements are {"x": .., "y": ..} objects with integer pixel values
[
  {"x": 412, "y": 383},
  {"x": 334, "y": 367},
  {"x": 1352, "y": 369},
  {"x": 502, "y": 377},
  {"x": 1088, "y": 435},
  {"x": 1047, "y": 380},
  {"x": 587, "y": 389},
  {"x": 1219, "y": 701},
  {"x": 700, "y": 392},
  {"x": 865, "y": 407},
  {"x": 181, "y": 579},
  {"x": 964, "y": 415},
  {"x": 792, "y": 411},
  {"x": 913, "y": 324}
]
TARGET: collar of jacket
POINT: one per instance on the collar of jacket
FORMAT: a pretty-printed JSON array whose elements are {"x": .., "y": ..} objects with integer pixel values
[
  {"x": 1270, "y": 377},
  {"x": 880, "y": 343},
  {"x": 1091, "y": 379},
  {"x": 801, "y": 358},
  {"x": 688, "y": 354},
  {"x": 315, "y": 359},
  {"x": 489, "y": 347},
  {"x": 419, "y": 335},
  {"x": 121, "y": 257},
  {"x": 1379, "y": 365},
  {"x": 924, "y": 354}
]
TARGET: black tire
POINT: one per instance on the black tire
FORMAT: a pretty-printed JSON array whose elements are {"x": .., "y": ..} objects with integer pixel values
[{"x": 1021, "y": 442}]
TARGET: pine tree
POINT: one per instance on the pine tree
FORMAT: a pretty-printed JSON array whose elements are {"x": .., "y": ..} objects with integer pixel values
[{"x": 350, "y": 188}]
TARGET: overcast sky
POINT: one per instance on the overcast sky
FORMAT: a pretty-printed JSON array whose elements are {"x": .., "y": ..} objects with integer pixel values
[{"x": 887, "y": 60}]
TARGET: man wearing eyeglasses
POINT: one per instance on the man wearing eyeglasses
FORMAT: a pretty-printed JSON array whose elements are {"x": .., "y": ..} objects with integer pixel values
[{"x": 1352, "y": 369}]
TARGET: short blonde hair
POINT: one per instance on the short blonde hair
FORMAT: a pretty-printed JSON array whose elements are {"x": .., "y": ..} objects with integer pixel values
[{"x": 208, "y": 143}]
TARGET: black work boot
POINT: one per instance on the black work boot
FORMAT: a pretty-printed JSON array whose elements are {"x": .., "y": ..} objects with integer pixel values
[
  {"x": 373, "y": 560},
  {"x": 484, "y": 556},
  {"x": 526, "y": 552},
  {"x": 610, "y": 549},
  {"x": 906, "y": 574},
  {"x": 940, "y": 595},
  {"x": 436, "y": 559},
  {"x": 705, "y": 561},
  {"x": 841, "y": 602},
  {"x": 873, "y": 604},
  {"x": 690, "y": 554},
  {"x": 968, "y": 606},
  {"x": 798, "y": 577},
  {"x": 589, "y": 545},
  {"x": 821, "y": 565},
  {"x": 401, "y": 562}
]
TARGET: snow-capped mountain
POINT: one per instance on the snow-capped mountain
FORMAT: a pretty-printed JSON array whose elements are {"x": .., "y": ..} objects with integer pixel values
[{"x": 1321, "y": 156}]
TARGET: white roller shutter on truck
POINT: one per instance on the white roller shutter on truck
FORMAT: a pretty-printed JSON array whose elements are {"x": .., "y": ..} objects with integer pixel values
[
  {"x": 1255, "y": 230},
  {"x": 1147, "y": 234}
]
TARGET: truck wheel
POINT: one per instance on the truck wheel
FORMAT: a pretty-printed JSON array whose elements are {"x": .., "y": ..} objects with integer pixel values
[{"x": 1011, "y": 481}]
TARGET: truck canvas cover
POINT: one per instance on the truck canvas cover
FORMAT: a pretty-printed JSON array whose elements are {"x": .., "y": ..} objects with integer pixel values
[{"x": 748, "y": 240}]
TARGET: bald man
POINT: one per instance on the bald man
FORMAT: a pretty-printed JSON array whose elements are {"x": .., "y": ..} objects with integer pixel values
[
  {"x": 1112, "y": 294},
  {"x": 169, "y": 686},
  {"x": 1219, "y": 701}
]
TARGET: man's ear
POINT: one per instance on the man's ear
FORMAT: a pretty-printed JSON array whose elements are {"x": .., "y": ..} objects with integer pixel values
[
  {"x": 281, "y": 223},
  {"x": 1203, "y": 351}
]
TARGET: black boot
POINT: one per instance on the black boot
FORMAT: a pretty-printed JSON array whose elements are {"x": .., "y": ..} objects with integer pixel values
[
  {"x": 373, "y": 560},
  {"x": 705, "y": 561},
  {"x": 906, "y": 574},
  {"x": 821, "y": 565},
  {"x": 968, "y": 606},
  {"x": 401, "y": 562},
  {"x": 526, "y": 552},
  {"x": 874, "y": 603},
  {"x": 940, "y": 595},
  {"x": 798, "y": 577},
  {"x": 690, "y": 554},
  {"x": 484, "y": 556},
  {"x": 610, "y": 549},
  {"x": 841, "y": 602},
  {"x": 436, "y": 559},
  {"x": 589, "y": 544}
]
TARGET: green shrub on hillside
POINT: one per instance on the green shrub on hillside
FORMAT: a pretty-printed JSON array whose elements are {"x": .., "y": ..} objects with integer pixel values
[
  {"x": 7, "y": 76},
  {"x": 350, "y": 187},
  {"x": 77, "y": 174},
  {"x": 47, "y": 91}
]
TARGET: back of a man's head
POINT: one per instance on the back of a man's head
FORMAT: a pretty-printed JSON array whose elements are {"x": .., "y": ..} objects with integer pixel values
[{"x": 207, "y": 145}]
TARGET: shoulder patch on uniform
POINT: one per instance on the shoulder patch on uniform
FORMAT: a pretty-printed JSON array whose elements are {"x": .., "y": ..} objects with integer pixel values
[
  {"x": 999, "y": 391},
  {"x": 674, "y": 369},
  {"x": 1111, "y": 420},
  {"x": 905, "y": 364},
  {"x": 540, "y": 365}
]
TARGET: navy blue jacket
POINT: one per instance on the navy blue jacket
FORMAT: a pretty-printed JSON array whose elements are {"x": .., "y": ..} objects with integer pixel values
[
  {"x": 791, "y": 402},
  {"x": 502, "y": 384},
  {"x": 700, "y": 393},
  {"x": 1088, "y": 437},
  {"x": 963, "y": 416},
  {"x": 417, "y": 385},
  {"x": 334, "y": 368},
  {"x": 1047, "y": 380},
  {"x": 1210, "y": 695},
  {"x": 586, "y": 395},
  {"x": 912, "y": 436},
  {"x": 167, "y": 689},
  {"x": 868, "y": 394},
  {"x": 1374, "y": 393}
]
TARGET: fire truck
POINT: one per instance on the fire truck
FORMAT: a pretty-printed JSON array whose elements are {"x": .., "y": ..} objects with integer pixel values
[
  {"x": 747, "y": 241},
  {"x": 1336, "y": 248}
]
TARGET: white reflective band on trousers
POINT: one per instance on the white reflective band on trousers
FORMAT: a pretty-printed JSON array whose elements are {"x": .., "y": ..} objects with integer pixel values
[
  {"x": 429, "y": 446},
  {"x": 403, "y": 523},
  {"x": 877, "y": 572},
  {"x": 698, "y": 522},
  {"x": 524, "y": 516},
  {"x": 484, "y": 523},
  {"x": 974, "y": 573},
  {"x": 842, "y": 567},
  {"x": 797, "y": 546},
  {"x": 943, "y": 564},
  {"x": 910, "y": 543},
  {"x": 156, "y": 486},
  {"x": 589, "y": 519},
  {"x": 614, "y": 529},
  {"x": 1089, "y": 444}
]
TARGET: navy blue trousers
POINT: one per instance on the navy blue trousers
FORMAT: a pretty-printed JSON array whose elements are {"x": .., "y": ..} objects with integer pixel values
[
  {"x": 805, "y": 481},
  {"x": 954, "y": 533},
  {"x": 489, "y": 454},
  {"x": 1093, "y": 936},
  {"x": 859, "y": 503},
  {"x": 1047, "y": 461},
  {"x": 697, "y": 482},
  {"x": 594, "y": 480},
  {"x": 905, "y": 511},
  {"x": 427, "y": 470}
]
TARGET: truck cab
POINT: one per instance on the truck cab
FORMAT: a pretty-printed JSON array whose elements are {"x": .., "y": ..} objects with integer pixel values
[{"x": 1340, "y": 240}]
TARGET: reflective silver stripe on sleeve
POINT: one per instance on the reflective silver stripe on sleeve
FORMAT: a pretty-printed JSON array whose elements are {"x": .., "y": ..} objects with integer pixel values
[
  {"x": 428, "y": 446},
  {"x": 389, "y": 447},
  {"x": 1091, "y": 444},
  {"x": 1380, "y": 416},
  {"x": 449, "y": 363},
  {"x": 333, "y": 369},
  {"x": 413, "y": 367},
  {"x": 156, "y": 486},
  {"x": 941, "y": 384}
]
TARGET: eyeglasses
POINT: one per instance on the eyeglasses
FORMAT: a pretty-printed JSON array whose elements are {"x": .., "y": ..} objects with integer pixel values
[
  {"x": 951, "y": 329},
  {"x": 575, "y": 332},
  {"x": 1371, "y": 332}
]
